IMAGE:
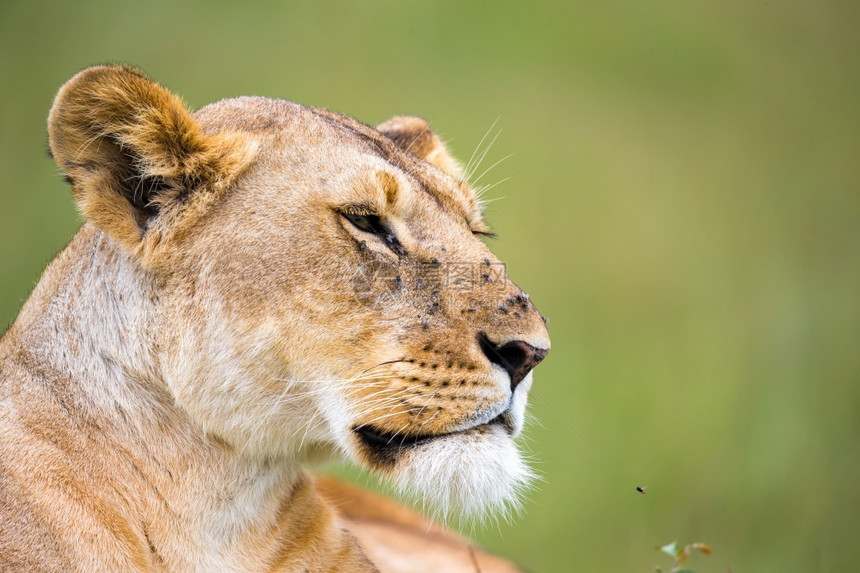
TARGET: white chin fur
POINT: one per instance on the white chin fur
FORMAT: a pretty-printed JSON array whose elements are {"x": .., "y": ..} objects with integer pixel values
[{"x": 469, "y": 475}]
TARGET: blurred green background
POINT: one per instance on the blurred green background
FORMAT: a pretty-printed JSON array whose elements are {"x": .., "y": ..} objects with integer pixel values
[{"x": 682, "y": 201}]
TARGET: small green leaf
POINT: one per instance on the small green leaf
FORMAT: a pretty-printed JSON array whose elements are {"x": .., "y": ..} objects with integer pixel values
[{"x": 670, "y": 549}]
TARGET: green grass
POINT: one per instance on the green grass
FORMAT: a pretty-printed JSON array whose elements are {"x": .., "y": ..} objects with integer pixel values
[{"x": 697, "y": 249}]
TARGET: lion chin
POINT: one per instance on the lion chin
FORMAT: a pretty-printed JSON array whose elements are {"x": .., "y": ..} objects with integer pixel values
[
  {"x": 471, "y": 474},
  {"x": 487, "y": 479}
]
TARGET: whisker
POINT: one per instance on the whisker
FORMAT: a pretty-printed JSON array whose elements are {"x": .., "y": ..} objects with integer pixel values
[
  {"x": 467, "y": 169},
  {"x": 490, "y": 168},
  {"x": 481, "y": 190},
  {"x": 483, "y": 155}
]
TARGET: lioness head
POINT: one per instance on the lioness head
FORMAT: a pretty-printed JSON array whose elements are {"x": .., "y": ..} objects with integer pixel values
[{"x": 321, "y": 284}]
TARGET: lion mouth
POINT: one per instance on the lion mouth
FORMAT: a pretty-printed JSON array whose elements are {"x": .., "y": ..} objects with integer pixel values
[{"x": 382, "y": 442}]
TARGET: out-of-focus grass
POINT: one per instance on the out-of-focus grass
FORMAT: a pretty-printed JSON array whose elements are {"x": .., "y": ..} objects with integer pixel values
[{"x": 697, "y": 250}]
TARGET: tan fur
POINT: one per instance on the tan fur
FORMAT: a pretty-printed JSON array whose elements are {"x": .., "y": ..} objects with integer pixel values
[
  {"x": 393, "y": 534},
  {"x": 218, "y": 322}
]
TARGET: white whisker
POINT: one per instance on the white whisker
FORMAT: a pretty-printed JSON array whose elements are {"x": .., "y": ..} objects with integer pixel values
[
  {"x": 483, "y": 155},
  {"x": 490, "y": 168},
  {"x": 468, "y": 167}
]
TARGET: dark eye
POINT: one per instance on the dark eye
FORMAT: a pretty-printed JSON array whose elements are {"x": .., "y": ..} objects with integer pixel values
[
  {"x": 366, "y": 223},
  {"x": 487, "y": 234},
  {"x": 374, "y": 225}
]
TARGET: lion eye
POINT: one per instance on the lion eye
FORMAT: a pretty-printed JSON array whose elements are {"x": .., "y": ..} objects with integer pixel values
[
  {"x": 374, "y": 225},
  {"x": 366, "y": 223}
]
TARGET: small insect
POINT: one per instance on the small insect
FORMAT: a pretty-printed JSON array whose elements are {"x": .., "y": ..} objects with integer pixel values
[{"x": 641, "y": 489}]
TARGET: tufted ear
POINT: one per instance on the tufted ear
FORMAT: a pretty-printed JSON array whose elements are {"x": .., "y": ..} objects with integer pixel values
[
  {"x": 413, "y": 134},
  {"x": 133, "y": 153}
]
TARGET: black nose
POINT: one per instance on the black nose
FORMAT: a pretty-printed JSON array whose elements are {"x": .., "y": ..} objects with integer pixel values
[{"x": 517, "y": 358}]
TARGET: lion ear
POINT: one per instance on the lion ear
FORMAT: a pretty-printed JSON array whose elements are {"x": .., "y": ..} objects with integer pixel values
[
  {"x": 414, "y": 135},
  {"x": 133, "y": 152}
]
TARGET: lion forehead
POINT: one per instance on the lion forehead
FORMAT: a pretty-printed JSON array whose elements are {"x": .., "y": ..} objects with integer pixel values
[{"x": 301, "y": 129}]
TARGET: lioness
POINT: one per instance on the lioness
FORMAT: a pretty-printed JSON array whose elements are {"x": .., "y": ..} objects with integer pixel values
[{"x": 257, "y": 285}]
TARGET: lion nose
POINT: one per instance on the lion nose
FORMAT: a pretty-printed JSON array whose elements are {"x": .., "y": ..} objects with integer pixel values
[{"x": 517, "y": 358}]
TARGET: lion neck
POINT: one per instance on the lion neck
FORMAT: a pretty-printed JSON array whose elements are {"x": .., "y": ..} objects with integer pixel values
[{"x": 91, "y": 334}]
